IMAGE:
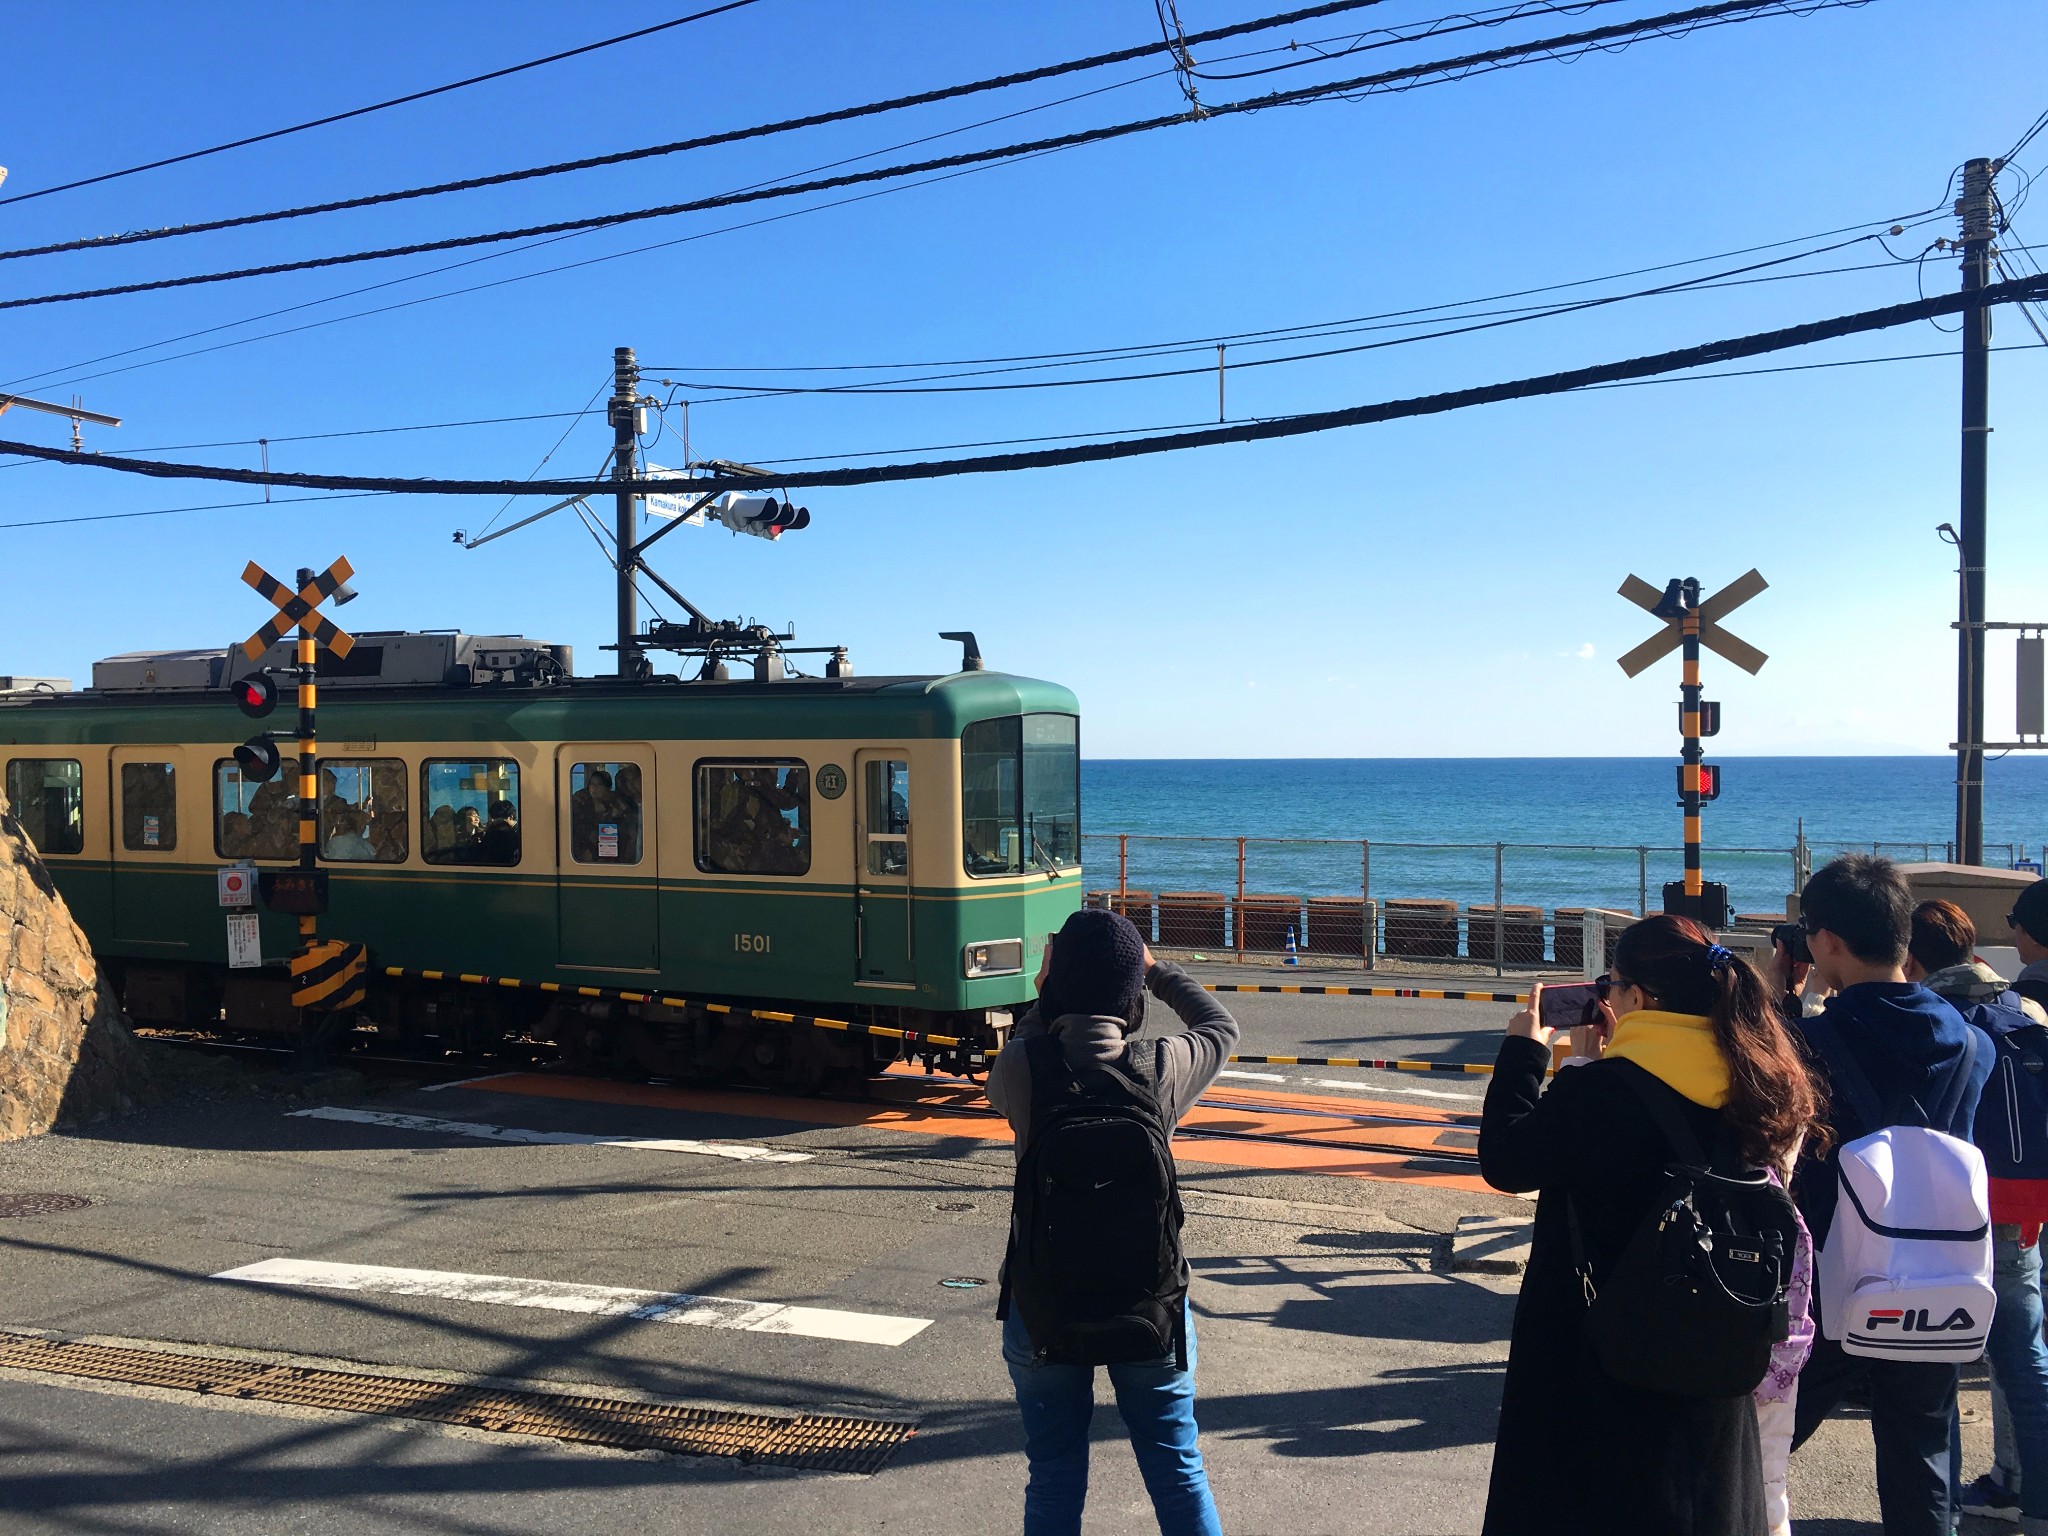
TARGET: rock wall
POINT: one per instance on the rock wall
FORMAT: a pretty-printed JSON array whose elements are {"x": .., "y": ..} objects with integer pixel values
[{"x": 66, "y": 1054}]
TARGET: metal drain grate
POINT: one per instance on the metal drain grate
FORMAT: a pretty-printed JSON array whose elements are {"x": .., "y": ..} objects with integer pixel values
[
  {"x": 41, "y": 1205},
  {"x": 813, "y": 1442}
]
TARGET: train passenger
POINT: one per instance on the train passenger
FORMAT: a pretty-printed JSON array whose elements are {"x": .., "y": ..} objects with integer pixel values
[
  {"x": 345, "y": 832},
  {"x": 626, "y": 793},
  {"x": 1689, "y": 1032},
  {"x": 437, "y": 838},
  {"x": 589, "y": 807},
  {"x": 2009, "y": 1131},
  {"x": 469, "y": 835},
  {"x": 500, "y": 841},
  {"x": 237, "y": 836},
  {"x": 1077, "y": 1049}
]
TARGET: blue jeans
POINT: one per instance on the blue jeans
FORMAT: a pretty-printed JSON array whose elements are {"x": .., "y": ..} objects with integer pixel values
[
  {"x": 1157, "y": 1400},
  {"x": 2019, "y": 1371},
  {"x": 1912, "y": 1405}
]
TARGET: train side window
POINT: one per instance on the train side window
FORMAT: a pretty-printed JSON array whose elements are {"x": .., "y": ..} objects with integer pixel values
[
  {"x": 363, "y": 814},
  {"x": 754, "y": 818},
  {"x": 252, "y": 820},
  {"x": 149, "y": 806},
  {"x": 604, "y": 813},
  {"x": 469, "y": 811},
  {"x": 47, "y": 796}
]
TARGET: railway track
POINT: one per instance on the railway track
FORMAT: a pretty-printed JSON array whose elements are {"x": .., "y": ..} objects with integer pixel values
[{"x": 1339, "y": 1127}]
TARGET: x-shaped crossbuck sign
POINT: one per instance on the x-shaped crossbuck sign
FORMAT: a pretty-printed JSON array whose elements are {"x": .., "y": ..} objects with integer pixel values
[
  {"x": 295, "y": 609},
  {"x": 1712, "y": 636}
]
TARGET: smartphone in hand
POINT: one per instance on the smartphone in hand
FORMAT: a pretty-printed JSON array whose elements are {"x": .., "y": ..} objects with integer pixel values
[{"x": 1569, "y": 1006}]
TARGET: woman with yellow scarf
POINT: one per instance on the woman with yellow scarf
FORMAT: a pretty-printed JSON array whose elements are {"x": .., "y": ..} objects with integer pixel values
[{"x": 1577, "y": 1450}]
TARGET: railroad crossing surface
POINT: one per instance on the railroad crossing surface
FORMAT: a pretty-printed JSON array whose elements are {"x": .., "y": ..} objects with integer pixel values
[{"x": 807, "y": 1282}]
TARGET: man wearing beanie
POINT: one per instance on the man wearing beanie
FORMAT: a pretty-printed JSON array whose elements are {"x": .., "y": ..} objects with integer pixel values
[
  {"x": 2029, "y": 920},
  {"x": 1091, "y": 1000}
]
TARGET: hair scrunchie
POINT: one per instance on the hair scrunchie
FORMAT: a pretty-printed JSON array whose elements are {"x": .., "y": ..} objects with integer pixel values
[{"x": 1719, "y": 958}]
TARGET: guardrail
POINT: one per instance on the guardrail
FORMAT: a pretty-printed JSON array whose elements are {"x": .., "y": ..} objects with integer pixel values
[{"x": 1360, "y": 899}]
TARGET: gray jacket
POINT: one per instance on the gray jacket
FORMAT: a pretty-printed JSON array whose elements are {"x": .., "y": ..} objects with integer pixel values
[{"x": 1183, "y": 1065}]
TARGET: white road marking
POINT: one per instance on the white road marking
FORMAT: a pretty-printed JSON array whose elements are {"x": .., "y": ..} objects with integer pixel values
[
  {"x": 462, "y": 1082},
  {"x": 595, "y": 1300},
  {"x": 1420, "y": 1093},
  {"x": 738, "y": 1151},
  {"x": 1257, "y": 1077}
]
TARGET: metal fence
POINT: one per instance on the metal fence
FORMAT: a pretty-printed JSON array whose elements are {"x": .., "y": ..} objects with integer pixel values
[{"x": 1358, "y": 899}]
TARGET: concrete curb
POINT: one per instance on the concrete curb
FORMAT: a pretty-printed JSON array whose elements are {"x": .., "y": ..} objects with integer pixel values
[{"x": 1491, "y": 1245}]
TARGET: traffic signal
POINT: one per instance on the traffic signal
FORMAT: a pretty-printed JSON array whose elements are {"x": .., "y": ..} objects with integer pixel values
[
  {"x": 255, "y": 695},
  {"x": 1710, "y": 781},
  {"x": 762, "y": 516},
  {"x": 258, "y": 759},
  {"x": 1710, "y": 718}
]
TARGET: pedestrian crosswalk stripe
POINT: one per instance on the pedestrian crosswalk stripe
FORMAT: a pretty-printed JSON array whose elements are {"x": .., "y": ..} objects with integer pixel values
[
  {"x": 594, "y": 1300},
  {"x": 738, "y": 1151}
]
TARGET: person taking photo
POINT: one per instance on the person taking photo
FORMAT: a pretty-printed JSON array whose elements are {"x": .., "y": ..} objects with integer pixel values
[{"x": 1690, "y": 1049}]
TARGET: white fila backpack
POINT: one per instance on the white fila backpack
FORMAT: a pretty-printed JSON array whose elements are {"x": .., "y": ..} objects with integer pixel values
[{"x": 1906, "y": 1270}]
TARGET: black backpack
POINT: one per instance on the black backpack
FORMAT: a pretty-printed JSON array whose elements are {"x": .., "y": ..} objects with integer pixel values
[
  {"x": 1095, "y": 1264},
  {"x": 1697, "y": 1298}
]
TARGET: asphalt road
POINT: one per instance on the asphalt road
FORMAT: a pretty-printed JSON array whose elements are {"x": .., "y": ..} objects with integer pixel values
[{"x": 1349, "y": 1381}]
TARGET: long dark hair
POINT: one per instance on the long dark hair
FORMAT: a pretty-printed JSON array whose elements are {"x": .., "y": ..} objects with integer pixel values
[{"x": 1772, "y": 1098}]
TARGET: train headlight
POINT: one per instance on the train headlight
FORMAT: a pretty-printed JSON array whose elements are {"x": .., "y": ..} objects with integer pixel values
[{"x": 993, "y": 957}]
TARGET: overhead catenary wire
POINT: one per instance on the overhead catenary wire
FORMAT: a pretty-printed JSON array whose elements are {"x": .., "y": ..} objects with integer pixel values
[
  {"x": 1678, "y": 378},
  {"x": 1647, "y": 366},
  {"x": 701, "y": 141},
  {"x": 1517, "y": 316},
  {"x": 378, "y": 106},
  {"x": 1604, "y": 39}
]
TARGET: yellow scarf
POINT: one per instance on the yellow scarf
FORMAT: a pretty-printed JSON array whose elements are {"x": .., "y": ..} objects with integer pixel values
[{"x": 1677, "y": 1047}]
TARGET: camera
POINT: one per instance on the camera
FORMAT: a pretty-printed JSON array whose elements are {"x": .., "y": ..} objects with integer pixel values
[{"x": 1793, "y": 937}]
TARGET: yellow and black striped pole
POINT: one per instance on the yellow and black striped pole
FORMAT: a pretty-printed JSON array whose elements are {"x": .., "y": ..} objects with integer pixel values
[
  {"x": 1690, "y": 754},
  {"x": 309, "y": 750}
]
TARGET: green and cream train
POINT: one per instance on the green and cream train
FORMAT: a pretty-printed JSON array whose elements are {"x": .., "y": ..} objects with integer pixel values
[{"x": 886, "y": 851}]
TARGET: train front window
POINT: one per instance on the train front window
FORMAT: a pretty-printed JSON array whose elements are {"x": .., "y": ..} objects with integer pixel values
[
  {"x": 1052, "y": 791},
  {"x": 989, "y": 805},
  {"x": 1020, "y": 789},
  {"x": 47, "y": 795}
]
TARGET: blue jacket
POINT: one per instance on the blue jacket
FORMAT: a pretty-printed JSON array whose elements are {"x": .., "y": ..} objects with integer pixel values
[{"x": 1909, "y": 1043}]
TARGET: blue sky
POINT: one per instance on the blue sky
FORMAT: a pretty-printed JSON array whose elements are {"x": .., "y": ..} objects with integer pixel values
[{"x": 1437, "y": 587}]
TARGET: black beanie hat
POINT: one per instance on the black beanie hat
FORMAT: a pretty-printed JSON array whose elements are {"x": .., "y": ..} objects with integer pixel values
[
  {"x": 1098, "y": 967},
  {"x": 2031, "y": 911}
]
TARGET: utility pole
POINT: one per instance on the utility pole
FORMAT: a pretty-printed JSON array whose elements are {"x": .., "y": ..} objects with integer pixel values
[
  {"x": 625, "y": 419},
  {"x": 1975, "y": 208}
]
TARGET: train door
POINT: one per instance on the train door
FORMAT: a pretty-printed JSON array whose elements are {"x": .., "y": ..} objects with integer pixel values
[
  {"x": 882, "y": 861},
  {"x": 144, "y": 785},
  {"x": 607, "y": 906}
]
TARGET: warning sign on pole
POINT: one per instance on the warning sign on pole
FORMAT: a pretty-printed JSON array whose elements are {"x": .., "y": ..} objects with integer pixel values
[{"x": 245, "y": 941}]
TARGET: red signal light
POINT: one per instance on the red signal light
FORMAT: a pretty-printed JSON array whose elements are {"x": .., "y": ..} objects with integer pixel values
[
  {"x": 255, "y": 695},
  {"x": 1710, "y": 782}
]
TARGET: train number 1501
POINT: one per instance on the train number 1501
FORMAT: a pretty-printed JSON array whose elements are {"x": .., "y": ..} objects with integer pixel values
[{"x": 753, "y": 943}]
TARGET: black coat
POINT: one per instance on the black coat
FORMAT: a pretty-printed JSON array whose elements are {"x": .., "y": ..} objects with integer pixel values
[{"x": 1579, "y": 1452}]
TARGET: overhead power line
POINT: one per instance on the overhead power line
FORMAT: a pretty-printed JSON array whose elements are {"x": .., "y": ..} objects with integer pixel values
[
  {"x": 1062, "y": 437},
  {"x": 1676, "y": 23},
  {"x": 709, "y": 140},
  {"x": 1649, "y": 366},
  {"x": 378, "y": 106}
]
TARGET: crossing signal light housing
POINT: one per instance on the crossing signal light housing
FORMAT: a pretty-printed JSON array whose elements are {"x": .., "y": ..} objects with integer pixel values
[
  {"x": 1710, "y": 781},
  {"x": 1710, "y": 718},
  {"x": 764, "y": 517},
  {"x": 258, "y": 759},
  {"x": 255, "y": 695}
]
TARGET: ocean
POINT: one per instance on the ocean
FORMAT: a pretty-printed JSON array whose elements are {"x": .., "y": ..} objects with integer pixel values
[{"x": 1432, "y": 823}]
